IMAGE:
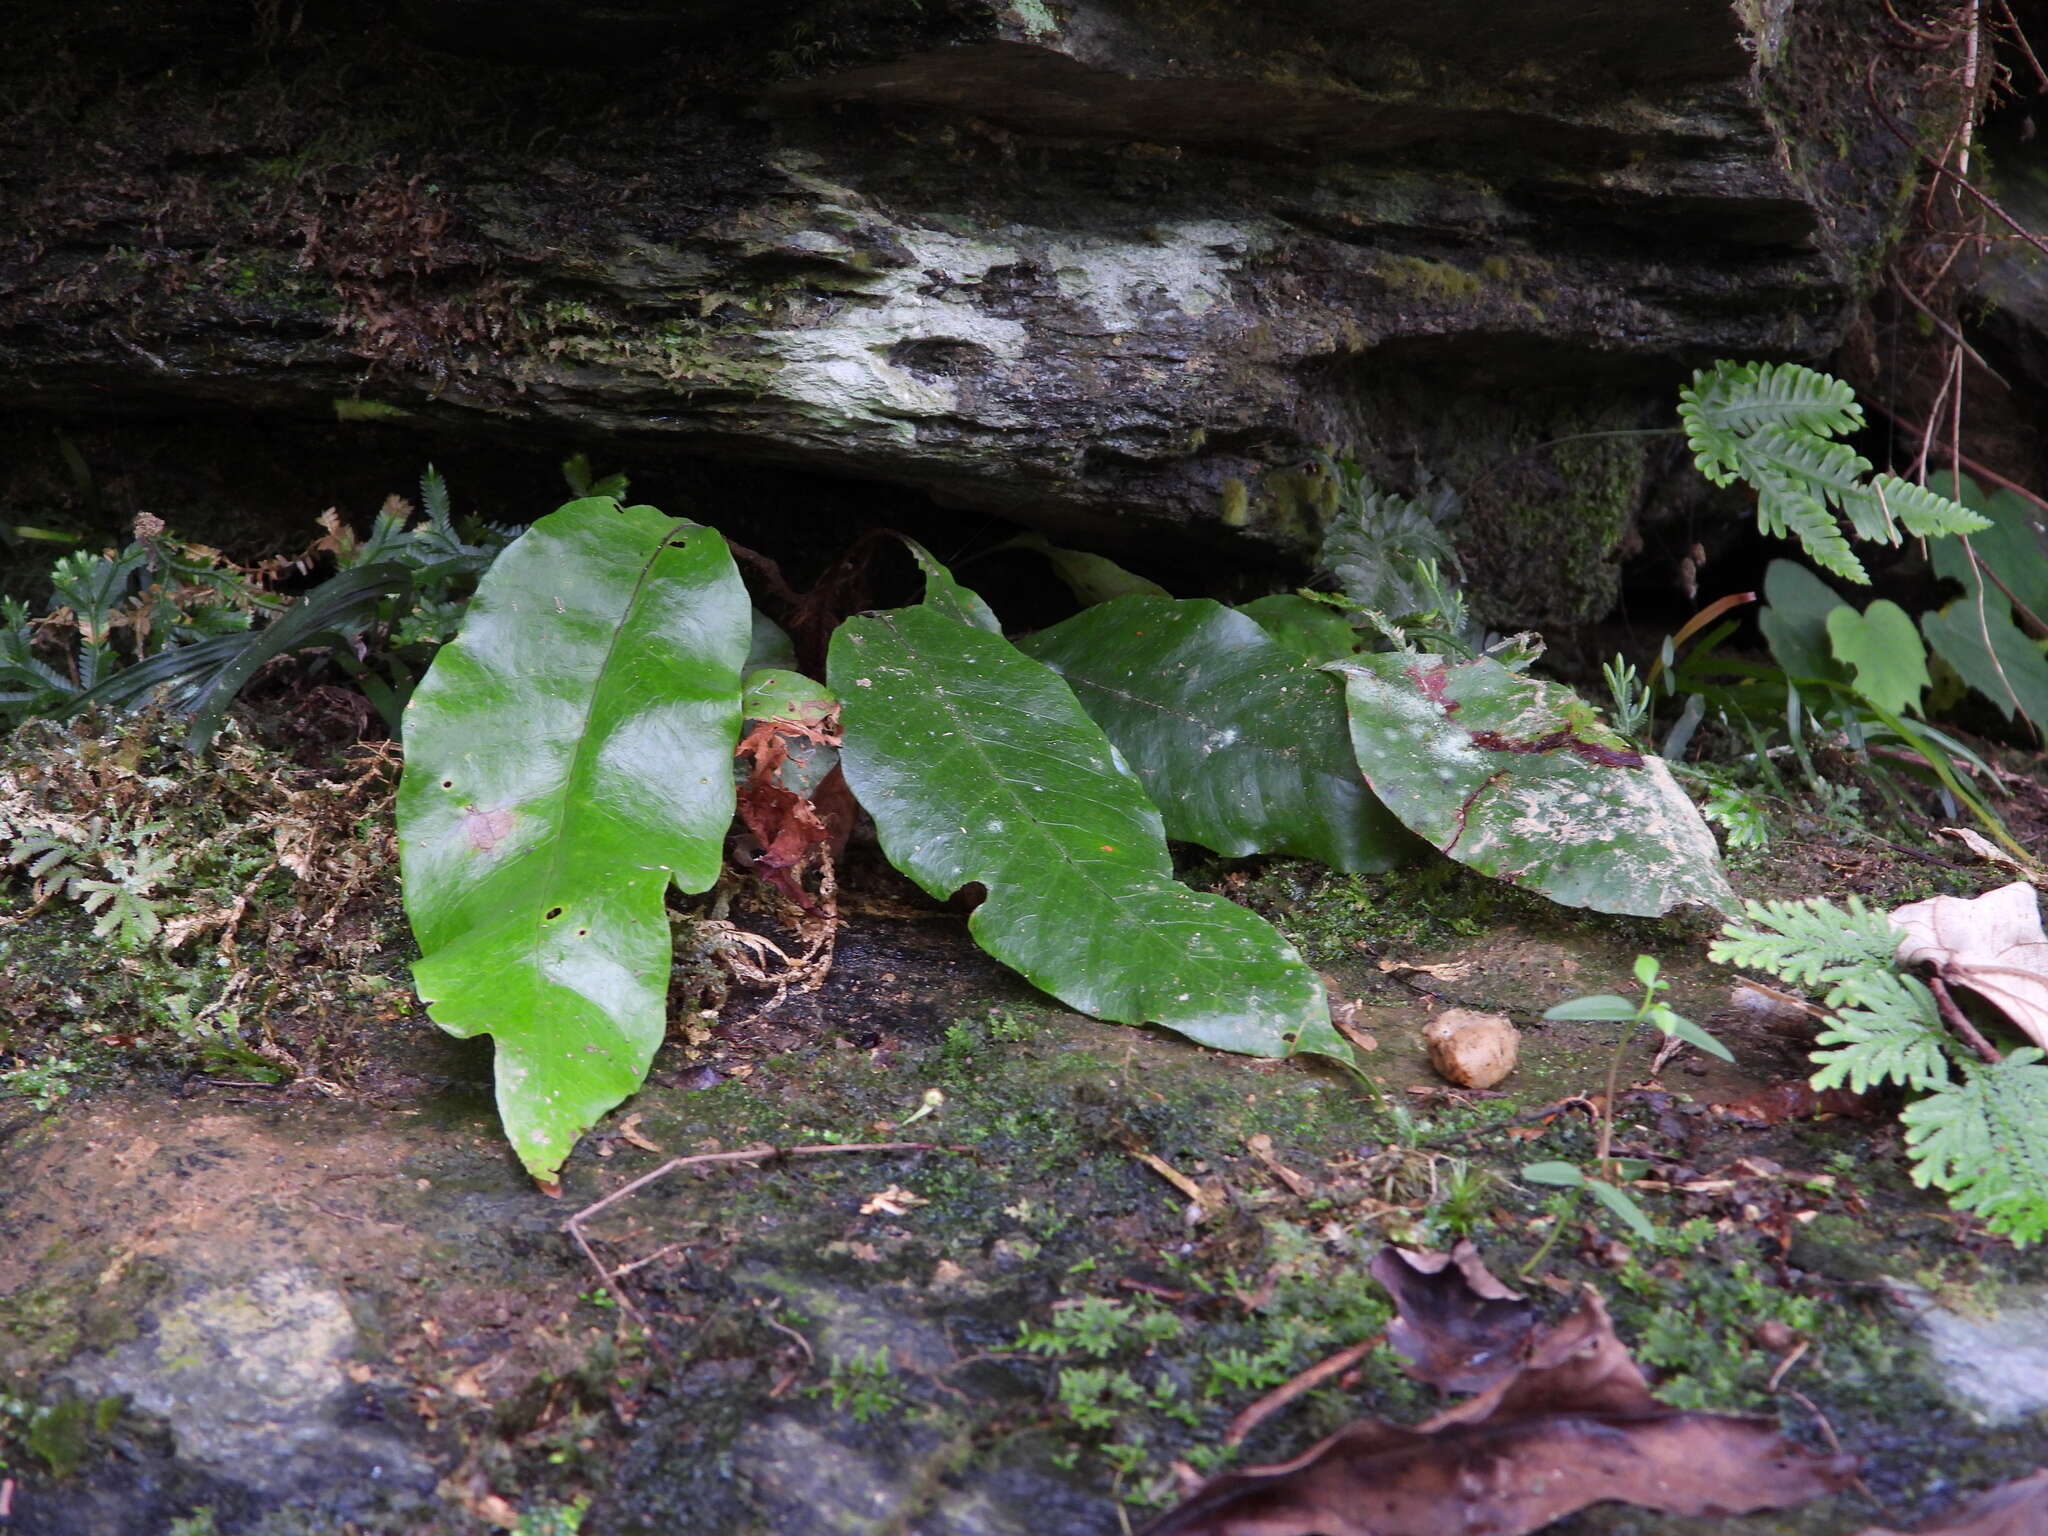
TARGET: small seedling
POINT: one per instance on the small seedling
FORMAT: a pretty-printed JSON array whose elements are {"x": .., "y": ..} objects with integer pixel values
[{"x": 1611, "y": 1172}]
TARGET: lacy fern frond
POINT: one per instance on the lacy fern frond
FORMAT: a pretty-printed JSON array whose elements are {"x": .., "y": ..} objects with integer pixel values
[
  {"x": 1982, "y": 1139},
  {"x": 1775, "y": 426},
  {"x": 1921, "y": 512},
  {"x": 1985, "y": 1141},
  {"x": 1740, "y": 398},
  {"x": 1885, "y": 1030},
  {"x": 1375, "y": 542},
  {"x": 1808, "y": 943},
  {"x": 121, "y": 905}
]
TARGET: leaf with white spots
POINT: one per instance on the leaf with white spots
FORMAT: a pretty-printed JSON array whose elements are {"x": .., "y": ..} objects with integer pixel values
[
  {"x": 567, "y": 757},
  {"x": 980, "y": 767},
  {"x": 1521, "y": 780},
  {"x": 1242, "y": 743}
]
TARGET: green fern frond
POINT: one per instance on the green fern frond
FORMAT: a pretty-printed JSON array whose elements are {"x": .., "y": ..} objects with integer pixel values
[
  {"x": 1375, "y": 542},
  {"x": 1985, "y": 1141},
  {"x": 1742, "y": 398},
  {"x": 1776, "y": 427},
  {"x": 1885, "y": 1030},
  {"x": 1826, "y": 468},
  {"x": 1807, "y": 942},
  {"x": 1786, "y": 507},
  {"x": 1921, "y": 512},
  {"x": 119, "y": 913},
  {"x": 434, "y": 502}
]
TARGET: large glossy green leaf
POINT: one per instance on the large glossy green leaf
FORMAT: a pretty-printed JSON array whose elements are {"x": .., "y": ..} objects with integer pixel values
[
  {"x": 1976, "y": 635},
  {"x": 943, "y": 592},
  {"x": 1243, "y": 746},
  {"x": 1091, "y": 578},
  {"x": 2015, "y": 546},
  {"x": 568, "y": 755},
  {"x": 1520, "y": 779},
  {"x": 1315, "y": 630},
  {"x": 978, "y": 766}
]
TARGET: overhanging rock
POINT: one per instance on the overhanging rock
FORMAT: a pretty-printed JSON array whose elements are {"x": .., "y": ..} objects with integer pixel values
[{"x": 1113, "y": 264}]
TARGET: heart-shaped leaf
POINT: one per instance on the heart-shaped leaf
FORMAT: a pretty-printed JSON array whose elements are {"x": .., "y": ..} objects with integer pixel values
[
  {"x": 1883, "y": 649},
  {"x": 1795, "y": 622},
  {"x": 567, "y": 757},
  {"x": 1519, "y": 779},
  {"x": 978, "y": 766},
  {"x": 1243, "y": 746}
]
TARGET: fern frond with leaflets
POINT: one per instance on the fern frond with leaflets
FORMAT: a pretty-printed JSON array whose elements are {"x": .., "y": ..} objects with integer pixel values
[
  {"x": 1922, "y": 512},
  {"x": 1977, "y": 1132},
  {"x": 1985, "y": 1142},
  {"x": 1807, "y": 943},
  {"x": 1885, "y": 1030},
  {"x": 1775, "y": 426}
]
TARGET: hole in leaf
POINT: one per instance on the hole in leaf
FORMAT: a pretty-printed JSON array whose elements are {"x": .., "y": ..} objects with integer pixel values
[{"x": 447, "y": 783}]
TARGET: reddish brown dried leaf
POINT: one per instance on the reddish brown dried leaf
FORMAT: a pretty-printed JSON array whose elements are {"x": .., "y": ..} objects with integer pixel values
[
  {"x": 795, "y": 833},
  {"x": 2018, "y": 1508},
  {"x": 1799, "y": 1100},
  {"x": 1575, "y": 1426},
  {"x": 1507, "y": 1479},
  {"x": 1458, "y": 1327}
]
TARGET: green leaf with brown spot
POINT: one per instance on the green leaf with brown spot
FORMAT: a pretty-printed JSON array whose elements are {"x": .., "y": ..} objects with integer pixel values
[{"x": 1521, "y": 780}]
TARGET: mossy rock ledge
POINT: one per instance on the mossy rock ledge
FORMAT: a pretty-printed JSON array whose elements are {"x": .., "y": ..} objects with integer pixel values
[{"x": 1111, "y": 265}]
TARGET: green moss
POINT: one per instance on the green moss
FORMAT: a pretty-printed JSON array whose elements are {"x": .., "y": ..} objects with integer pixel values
[
  {"x": 1294, "y": 504},
  {"x": 1234, "y": 508},
  {"x": 1436, "y": 281},
  {"x": 367, "y": 410}
]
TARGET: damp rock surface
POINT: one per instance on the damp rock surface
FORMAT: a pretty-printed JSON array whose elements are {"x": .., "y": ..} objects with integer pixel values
[{"x": 305, "y": 1313}]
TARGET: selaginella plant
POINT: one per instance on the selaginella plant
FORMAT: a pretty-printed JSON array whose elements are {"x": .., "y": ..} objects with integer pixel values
[
  {"x": 1977, "y": 1123},
  {"x": 569, "y": 760}
]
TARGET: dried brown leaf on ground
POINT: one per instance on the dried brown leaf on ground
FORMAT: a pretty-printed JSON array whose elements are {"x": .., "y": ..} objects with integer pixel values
[
  {"x": 1990, "y": 944},
  {"x": 2018, "y": 1508},
  {"x": 1574, "y": 1425},
  {"x": 798, "y": 834},
  {"x": 1458, "y": 1327}
]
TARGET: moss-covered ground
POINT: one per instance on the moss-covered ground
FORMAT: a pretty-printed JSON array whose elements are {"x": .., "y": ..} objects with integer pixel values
[{"x": 1115, "y": 1244}]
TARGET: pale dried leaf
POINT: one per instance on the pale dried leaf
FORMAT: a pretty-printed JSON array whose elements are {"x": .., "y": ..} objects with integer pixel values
[{"x": 1991, "y": 944}]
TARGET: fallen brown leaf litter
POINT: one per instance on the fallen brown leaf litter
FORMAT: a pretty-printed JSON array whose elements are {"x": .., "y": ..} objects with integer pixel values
[{"x": 1560, "y": 1418}]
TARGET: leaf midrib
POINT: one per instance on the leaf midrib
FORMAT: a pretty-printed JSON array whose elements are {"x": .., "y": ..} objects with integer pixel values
[
  {"x": 579, "y": 758},
  {"x": 972, "y": 743}
]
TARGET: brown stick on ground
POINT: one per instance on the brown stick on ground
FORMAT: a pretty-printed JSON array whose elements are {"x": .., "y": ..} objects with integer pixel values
[
  {"x": 1288, "y": 1391},
  {"x": 574, "y": 1225}
]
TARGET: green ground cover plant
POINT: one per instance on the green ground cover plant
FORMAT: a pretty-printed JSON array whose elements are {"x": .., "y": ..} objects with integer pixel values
[
  {"x": 571, "y": 749},
  {"x": 568, "y": 762},
  {"x": 1977, "y": 1121}
]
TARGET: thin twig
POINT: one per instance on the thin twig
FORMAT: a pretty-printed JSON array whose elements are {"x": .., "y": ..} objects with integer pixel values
[
  {"x": 1962, "y": 182},
  {"x": 802, "y": 1343},
  {"x": 1288, "y": 1391},
  {"x": 1792, "y": 1358},
  {"x": 1947, "y": 330},
  {"x": 1957, "y": 1020},
  {"x": 574, "y": 1225}
]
